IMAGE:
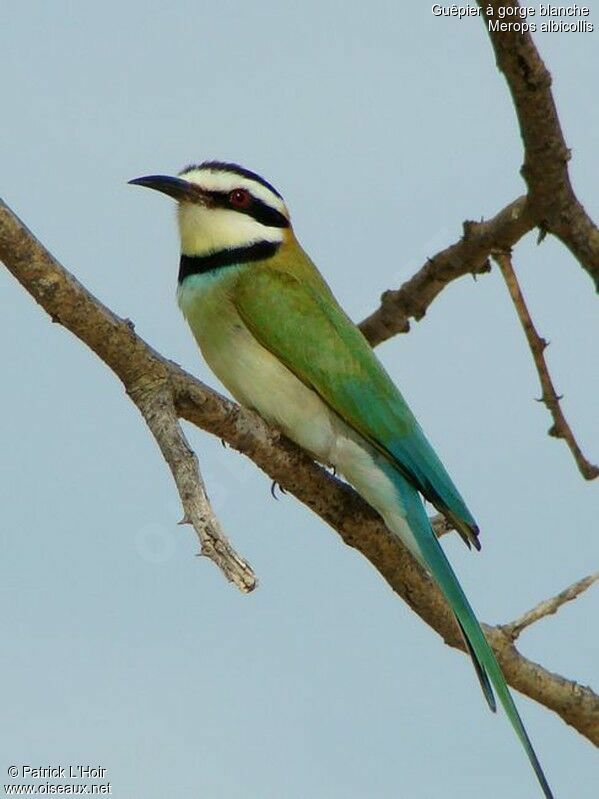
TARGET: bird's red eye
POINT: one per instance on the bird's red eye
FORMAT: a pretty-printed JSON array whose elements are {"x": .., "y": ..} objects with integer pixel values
[{"x": 240, "y": 198}]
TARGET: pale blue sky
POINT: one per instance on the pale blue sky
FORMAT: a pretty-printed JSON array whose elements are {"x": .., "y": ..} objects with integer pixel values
[{"x": 384, "y": 128}]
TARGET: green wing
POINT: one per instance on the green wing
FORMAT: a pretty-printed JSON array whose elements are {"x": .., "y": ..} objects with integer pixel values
[{"x": 300, "y": 322}]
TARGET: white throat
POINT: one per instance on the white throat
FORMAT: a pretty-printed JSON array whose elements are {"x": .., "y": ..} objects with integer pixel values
[{"x": 207, "y": 230}]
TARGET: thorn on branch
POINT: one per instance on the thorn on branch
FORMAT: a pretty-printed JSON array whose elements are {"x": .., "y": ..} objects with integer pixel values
[
  {"x": 484, "y": 269},
  {"x": 468, "y": 225},
  {"x": 273, "y": 489}
]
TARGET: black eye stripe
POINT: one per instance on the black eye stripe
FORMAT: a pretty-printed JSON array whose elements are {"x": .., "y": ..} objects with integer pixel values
[
  {"x": 266, "y": 215},
  {"x": 257, "y": 209}
]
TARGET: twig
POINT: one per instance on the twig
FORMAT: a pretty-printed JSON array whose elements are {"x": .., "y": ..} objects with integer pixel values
[
  {"x": 115, "y": 342},
  {"x": 553, "y": 203},
  {"x": 143, "y": 372},
  {"x": 469, "y": 255},
  {"x": 441, "y": 525},
  {"x": 560, "y": 427},
  {"x": 549, "y": 606}
]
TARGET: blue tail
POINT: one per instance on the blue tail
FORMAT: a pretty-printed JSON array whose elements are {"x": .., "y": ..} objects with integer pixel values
[{"x": 487, "y": 668}]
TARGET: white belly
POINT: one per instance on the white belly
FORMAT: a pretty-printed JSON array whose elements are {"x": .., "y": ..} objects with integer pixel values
[{"x": 260, "y": 381}]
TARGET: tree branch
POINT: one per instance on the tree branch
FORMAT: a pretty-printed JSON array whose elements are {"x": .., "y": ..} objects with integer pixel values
[
  {"x": 576, "y": 704},
  {"x": 143, "y": 372},
  {"x": 553, "y": 204},
  {"x": 469, "y": 255},
  {"x": 550, "y": 203},
  {"x": 549, "y": 606},
  {"x": 135, "y": 362},
  {"x": 155, "y": 401},
  {"x": 560, "y": 427}
]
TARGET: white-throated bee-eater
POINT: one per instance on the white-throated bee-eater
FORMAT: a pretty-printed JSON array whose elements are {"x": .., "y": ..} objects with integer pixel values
[{"x": 271, "y": 330}]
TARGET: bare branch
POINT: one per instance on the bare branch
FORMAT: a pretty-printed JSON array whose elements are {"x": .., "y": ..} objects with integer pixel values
[
  {"x": 550, "y": 204},
  {"x": 560, "y": 427},
  {"x": 115, "y": 342},
  {"x": 554, "y": 205},
  {"x": 467, "y": 256},
  {"x": 155, "y": 402},
  {"x": 142, "y": 370},
  {"x": 549, "y": 606}
]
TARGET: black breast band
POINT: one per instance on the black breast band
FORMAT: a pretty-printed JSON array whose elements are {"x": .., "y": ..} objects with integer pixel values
[{"x": 199, "y": 264}]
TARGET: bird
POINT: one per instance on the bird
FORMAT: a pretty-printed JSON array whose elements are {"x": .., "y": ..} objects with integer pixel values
[{"x": 271, "y": 330}]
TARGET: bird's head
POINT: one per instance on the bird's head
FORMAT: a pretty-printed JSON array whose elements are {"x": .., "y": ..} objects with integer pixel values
[{"x": 222, "y": 207}]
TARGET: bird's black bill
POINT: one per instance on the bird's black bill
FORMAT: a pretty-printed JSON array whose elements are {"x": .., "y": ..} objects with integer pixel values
[{"x": 180, "y": 189}]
